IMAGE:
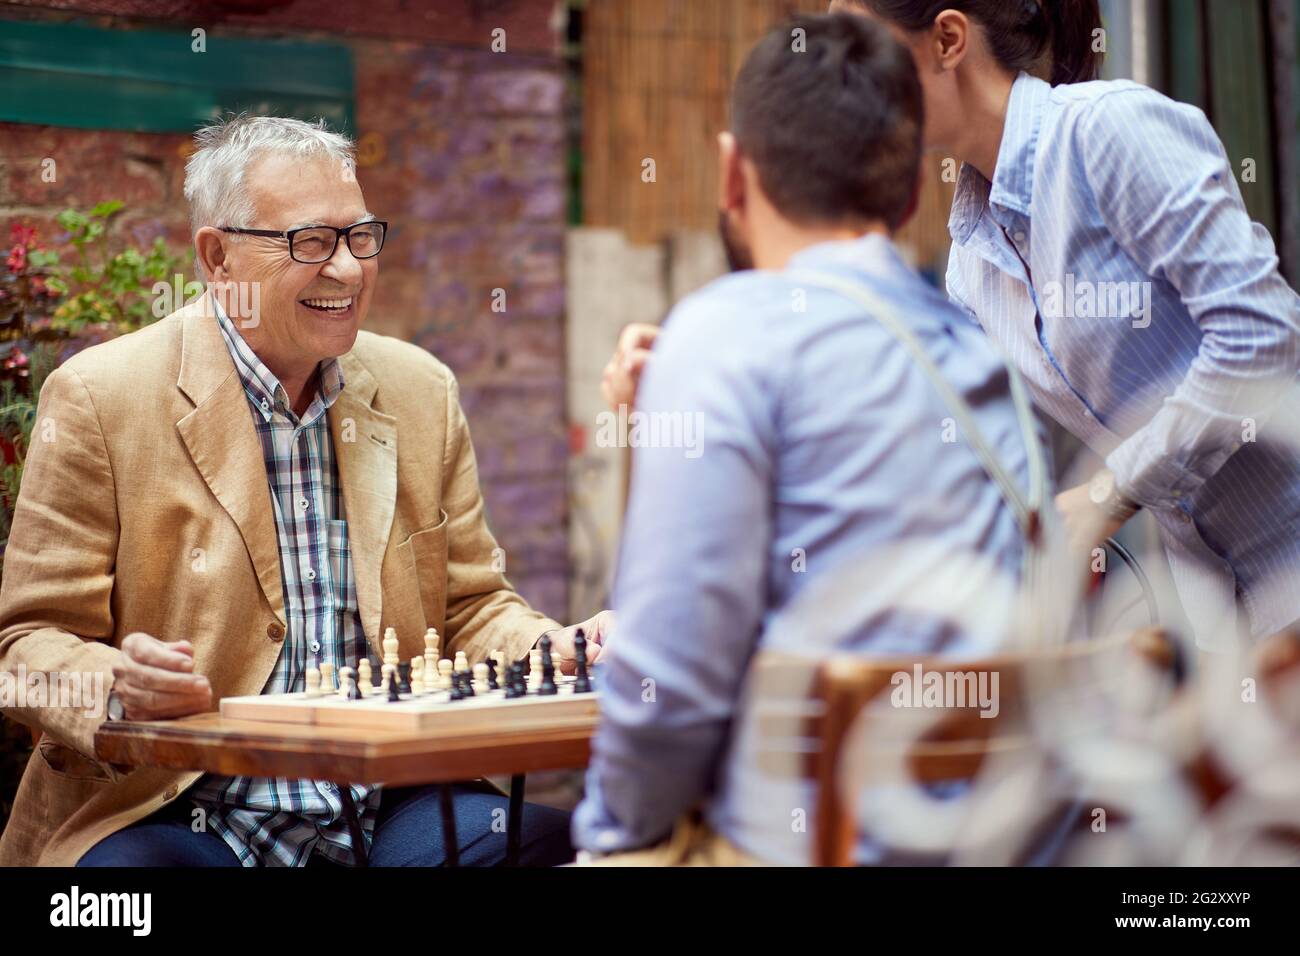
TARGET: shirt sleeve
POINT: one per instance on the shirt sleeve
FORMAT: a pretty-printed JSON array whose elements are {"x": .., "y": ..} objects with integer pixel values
[
  {"x": 1169, "y": 197},
  {"x": 690, "y": 588}
]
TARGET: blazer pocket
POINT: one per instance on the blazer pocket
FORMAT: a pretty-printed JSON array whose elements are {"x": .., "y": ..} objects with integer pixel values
[
  {"x": 68, "y": 763},
  {"x": 428, "y": 555}
]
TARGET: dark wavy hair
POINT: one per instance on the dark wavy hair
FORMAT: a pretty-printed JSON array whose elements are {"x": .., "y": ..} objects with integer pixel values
[{"x": 1019, "y": 31}]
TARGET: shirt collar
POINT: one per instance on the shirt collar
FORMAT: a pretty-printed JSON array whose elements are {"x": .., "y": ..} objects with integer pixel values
[
  {"x": 874, "y": 247},
  {"x": 264, "y": 391},
  {"x": 1013, "y": 179}
]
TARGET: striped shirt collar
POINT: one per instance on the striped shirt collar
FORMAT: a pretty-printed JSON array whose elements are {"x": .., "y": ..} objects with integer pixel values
[
  {"x": 265, "y": 393},
  {"x": 1013, "y": 179}
]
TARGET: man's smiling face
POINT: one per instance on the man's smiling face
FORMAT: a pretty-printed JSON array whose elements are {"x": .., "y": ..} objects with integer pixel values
[{"x": 308, "y": 312}]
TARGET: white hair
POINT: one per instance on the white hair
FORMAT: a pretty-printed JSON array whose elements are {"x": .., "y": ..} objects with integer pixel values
[{"x": 214, "y": 175}]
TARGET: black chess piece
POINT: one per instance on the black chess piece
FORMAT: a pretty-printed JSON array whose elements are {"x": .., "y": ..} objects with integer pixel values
[
  {"x": 492, "y": 675},
  {"x": 403, "y": 678},
  {"x": 455, "y": 693},
  {"x": 518, "y": 686},
  {"x": 354, "y": 688},
  {"x": 467, "y": 684},
  {"x": 581, "y": 685},
  {"x": 547, "y": 688},
  {"x": 394, "y": 695}
]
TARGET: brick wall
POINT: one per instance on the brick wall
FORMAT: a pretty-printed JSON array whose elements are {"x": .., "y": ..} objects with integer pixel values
[{"x": 464, "y": 153}]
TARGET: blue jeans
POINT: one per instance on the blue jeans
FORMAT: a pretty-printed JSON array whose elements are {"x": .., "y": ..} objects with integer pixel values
[{"x": 408, "y": 832}]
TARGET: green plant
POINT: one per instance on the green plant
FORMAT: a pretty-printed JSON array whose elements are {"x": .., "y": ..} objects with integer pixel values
[{"x": 103, "y": 287}]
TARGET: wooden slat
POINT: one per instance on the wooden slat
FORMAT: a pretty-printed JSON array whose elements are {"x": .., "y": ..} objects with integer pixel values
[
  {"x": 657, "y": 83},
  {"x": 223, "y": 745}
]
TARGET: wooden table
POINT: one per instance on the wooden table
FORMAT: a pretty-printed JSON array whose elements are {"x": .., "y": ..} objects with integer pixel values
[{"x": 220, "y": 745}]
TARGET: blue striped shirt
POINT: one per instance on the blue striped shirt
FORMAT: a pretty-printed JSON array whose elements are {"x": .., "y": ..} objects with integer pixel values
[
  {"x": 1114, "y": 260},
  {"x": 281, "y": 822}
]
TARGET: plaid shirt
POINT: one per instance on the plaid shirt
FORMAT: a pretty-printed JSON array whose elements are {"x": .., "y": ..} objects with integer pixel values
[{"x": 281, "y": 822}]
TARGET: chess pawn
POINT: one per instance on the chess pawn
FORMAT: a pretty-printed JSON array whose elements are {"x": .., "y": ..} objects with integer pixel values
[
  {"x": 365, "y": 677},
  {"x": 445, "y": 670},
  {"x": 462, "y": 662},
  {"x": 327, "y": 685},
  {"x": 500, "y": 660},
  {"x": 534, "y": 669},
  {"x": 391, "y": 647},
  {"x": 480, "y": 678},
  {"x": 387, "y": 675},
  {"x": 313, "y": 681},
  {"x": 345, "y": 677},
  {"x": 417, "y": 675}
]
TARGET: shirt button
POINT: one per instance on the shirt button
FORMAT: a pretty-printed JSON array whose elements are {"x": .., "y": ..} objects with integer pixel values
[
  {"x": 310, "y": 574},
  {"x": 265, "y": 405},
  {"x": 275, "y": 631},
  {"x": 315, "y": 647},
  {"x": 1020, "y": 237},
  {"x": 302, "y": 504}
]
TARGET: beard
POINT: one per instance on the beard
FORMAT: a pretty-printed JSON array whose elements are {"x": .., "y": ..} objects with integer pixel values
[{"x": 739, "y": 256}]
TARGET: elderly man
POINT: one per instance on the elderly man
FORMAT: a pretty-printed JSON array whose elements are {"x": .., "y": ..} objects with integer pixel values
[{"x": 246, "y": 489}]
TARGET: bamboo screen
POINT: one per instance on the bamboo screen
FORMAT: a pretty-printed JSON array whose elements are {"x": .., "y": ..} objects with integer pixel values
[{"x": 657, "y": 78}]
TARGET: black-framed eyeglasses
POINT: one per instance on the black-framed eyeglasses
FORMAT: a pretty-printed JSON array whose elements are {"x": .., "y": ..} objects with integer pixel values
[{"x": 313, "y": 244}]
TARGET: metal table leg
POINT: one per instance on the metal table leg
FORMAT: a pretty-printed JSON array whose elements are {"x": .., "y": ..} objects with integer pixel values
[
  {"x": 449, "y": 826},
  {"x": 515, "y": 820},
  {"x": 354, "y": 826}
]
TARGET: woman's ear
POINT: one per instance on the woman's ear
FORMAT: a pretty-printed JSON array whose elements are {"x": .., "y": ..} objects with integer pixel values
[
  {"x": 731, "y": 178},
  {"x": 950, "y": 39},
  {"x": 210, "y": 251}
]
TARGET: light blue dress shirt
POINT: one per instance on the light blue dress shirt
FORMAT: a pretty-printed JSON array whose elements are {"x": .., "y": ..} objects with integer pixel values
[
  {"x": 820, "y": 448},
  {"x": 1114, "y": 261}
]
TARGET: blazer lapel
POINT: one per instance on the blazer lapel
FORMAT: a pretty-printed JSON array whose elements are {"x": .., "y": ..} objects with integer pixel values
[
  {"x": 365, "y": 449},
  {"x": 223, "y": 444}
]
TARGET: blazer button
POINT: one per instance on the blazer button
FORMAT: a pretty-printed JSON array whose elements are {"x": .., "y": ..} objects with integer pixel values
[
  {"x": 171, "y": 793},
  {"x": 275, "y": 631}
]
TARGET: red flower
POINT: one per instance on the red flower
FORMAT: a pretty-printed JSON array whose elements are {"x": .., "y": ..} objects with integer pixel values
[
  {"x": 22, "y": 235},
  {"x": 16, "y": 358},
  {"x": 17, "y": 260}
]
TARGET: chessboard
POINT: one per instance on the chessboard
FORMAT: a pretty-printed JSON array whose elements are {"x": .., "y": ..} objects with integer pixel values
[
  {"x": 436, "y": 711},
  {"x": 490, "y": 697}
]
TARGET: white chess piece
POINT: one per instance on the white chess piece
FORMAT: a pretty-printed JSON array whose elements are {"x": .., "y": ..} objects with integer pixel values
[
  {"x": 534, "y": 669},
  {"x": 462, "y": 662},
  {"x": 480, "y": 678},
  {"x": 386, "y": 674},
  {"x": 445, "y": 668},
  {"x": 431, "y": 659},
  {"x": 365, "y": 677},
  {"x": 417, "y": 675},
  {"x": 327, "y": 685},
  {"x": 391, "y": 647},
  {"x": 345, "y": 674},
  {"x": 313, "y": 681}
]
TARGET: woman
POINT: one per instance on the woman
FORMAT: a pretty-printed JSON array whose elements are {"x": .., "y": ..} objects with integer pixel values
[{"x": 1100, "y": 237}]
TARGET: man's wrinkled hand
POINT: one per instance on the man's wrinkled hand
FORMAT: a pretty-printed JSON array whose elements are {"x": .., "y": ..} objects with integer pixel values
[{"x": 156, "y": 680}]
